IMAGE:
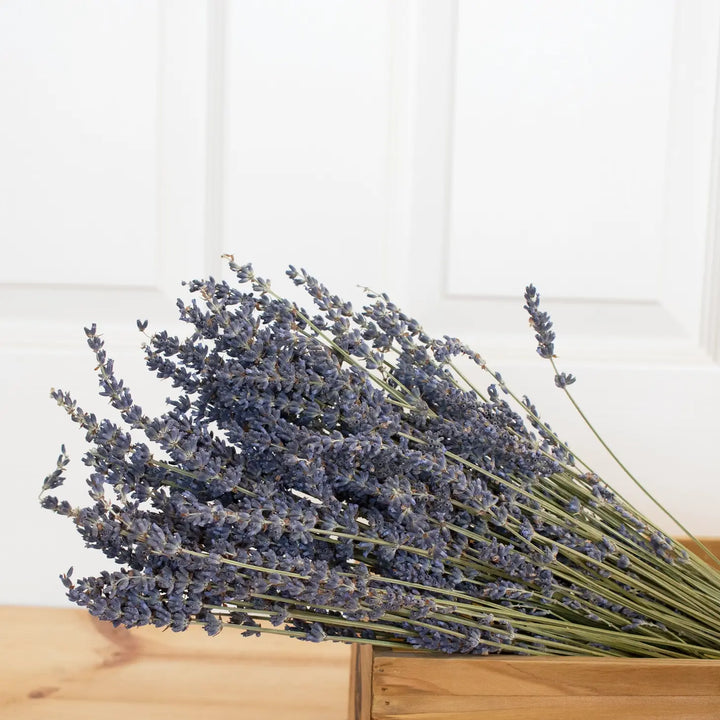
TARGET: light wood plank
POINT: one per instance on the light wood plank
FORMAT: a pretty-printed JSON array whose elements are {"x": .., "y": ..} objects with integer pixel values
[
  {"x": 361, "y": 682},
  {"x": 577, "y": 708},
  {"x": 453, "y": 687},
  {"x": 59, "y": 663},
  {"x": 469, "y": 676}
]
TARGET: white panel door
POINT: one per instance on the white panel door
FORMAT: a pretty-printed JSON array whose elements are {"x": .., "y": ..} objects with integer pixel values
[
  {"x": 574, "y": 146},
  {"x": 102, "y": 215},
  {"x": 448, "y": 153}
]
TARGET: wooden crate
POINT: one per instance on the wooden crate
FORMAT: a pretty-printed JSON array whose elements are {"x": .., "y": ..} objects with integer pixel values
[{"x": 390, "y": 685}]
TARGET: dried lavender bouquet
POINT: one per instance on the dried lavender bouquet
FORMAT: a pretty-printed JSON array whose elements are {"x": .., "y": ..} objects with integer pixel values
[{"x": 335, "y": 476}]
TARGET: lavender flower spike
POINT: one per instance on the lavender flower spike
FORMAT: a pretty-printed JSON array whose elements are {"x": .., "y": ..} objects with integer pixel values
[{"x": 540, "y": 322}]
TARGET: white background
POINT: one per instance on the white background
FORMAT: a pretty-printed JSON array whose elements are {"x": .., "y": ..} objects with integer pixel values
[{"x": 448, "y": 153}]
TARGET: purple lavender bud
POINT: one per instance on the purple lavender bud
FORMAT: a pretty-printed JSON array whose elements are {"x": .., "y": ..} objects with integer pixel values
[
  {"x": 573, "y": 505},
  {"x": 564, "y": 379},
  {"x": 540, "y": 322}
]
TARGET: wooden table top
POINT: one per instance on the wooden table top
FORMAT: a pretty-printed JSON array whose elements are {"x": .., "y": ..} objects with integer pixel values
[{"x": 62, "y": 663}]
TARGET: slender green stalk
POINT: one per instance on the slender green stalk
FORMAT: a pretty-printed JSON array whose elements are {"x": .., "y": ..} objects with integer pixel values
[
  {"x": 562, "y": 445},
  {"x": 330, "y": 638},
  {"x": 628, "y": 473},
  {"x": 245, "y": 566}
]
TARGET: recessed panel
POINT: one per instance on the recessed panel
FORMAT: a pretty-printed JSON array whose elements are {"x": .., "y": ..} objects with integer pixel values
[
  {"x": 78, "y": 96},
  {"x": 306, "y": 126},
  {"x": 559, "y": 148}
]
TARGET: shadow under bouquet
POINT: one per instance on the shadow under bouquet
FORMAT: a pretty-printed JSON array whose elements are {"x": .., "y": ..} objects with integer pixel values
[{"x": 335, "y": 475}]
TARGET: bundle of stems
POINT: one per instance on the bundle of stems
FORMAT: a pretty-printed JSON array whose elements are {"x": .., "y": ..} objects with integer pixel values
[{"x": 337, "y": 476}]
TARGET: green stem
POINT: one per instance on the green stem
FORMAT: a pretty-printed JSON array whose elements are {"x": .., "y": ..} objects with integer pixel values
[
  {"x": 629, "y": 474},
  {"x": 303, "y": 635}
]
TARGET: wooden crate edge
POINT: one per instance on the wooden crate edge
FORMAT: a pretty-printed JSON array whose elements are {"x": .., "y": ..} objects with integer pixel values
[{"x": 361, "y": 680}]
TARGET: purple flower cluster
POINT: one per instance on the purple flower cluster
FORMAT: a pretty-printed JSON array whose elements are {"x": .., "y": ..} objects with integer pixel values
[
  {"x": 325, "y": 472},
  {"x": 540, "y": 322}
]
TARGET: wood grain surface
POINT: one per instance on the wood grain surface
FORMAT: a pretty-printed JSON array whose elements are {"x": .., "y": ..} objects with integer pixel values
[
  {"x": 361, "y": 682},
  {"x": 404, "y": 686},
  {"x": 411, "y": 687},
  {"x": 62, "y": 663}
]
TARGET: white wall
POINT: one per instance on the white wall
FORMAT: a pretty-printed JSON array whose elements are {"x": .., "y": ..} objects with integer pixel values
[{"x": 447, "y": 152}]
